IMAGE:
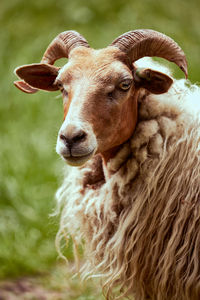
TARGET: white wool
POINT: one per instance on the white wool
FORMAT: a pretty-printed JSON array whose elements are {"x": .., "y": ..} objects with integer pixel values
[{"x": 158, "y": 164}]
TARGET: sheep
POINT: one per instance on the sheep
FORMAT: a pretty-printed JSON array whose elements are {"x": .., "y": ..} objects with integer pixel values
[{"x": 133, "y": 134}]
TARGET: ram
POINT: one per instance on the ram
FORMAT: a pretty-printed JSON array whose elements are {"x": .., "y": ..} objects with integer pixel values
[{"x": 133, "y": 134}]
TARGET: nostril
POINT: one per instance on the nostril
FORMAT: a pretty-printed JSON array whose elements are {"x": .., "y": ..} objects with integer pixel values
[
  {"x": 74, "y": 138},
  {"x": 68, "y": 142},
  {"x": 79, "y": 137},
  {"x": 63, "y": 137}
]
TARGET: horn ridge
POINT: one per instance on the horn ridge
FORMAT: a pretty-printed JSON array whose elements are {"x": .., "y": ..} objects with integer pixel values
[
  {"x": 62, "y": 45},
  {"x": 147, "y": 42}
]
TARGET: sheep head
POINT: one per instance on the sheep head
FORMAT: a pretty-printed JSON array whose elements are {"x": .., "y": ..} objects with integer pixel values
[{"x": 100, "y": 88}]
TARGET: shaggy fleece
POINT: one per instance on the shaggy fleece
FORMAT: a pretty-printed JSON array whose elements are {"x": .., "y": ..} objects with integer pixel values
[{"x": 140, "y": 215}]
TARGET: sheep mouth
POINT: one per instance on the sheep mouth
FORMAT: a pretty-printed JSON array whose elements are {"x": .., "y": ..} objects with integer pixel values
[{"x": 78, "y": 160}]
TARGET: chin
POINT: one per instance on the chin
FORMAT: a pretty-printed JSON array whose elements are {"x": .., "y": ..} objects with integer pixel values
[{"x": 77, "y": 161}]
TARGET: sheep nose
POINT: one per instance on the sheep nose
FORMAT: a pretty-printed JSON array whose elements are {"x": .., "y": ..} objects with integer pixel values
[{"x": 72, "y": 137}]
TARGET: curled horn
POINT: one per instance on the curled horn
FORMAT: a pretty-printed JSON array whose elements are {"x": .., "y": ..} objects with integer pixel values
[
  {"x": 62, "y": 45},
  {"x": 59, "y": 47},
  {"x": 146, "y": 42}
]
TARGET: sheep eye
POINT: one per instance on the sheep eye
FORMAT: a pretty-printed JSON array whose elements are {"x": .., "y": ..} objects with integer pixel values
[
  {"x": 59, "y": 85},
  {"x": 61, "y": 88},
  {"x": 125, "y": 85}
]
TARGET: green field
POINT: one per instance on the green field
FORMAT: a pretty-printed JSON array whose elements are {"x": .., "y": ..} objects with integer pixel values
[{"x": 30, "y": 170}]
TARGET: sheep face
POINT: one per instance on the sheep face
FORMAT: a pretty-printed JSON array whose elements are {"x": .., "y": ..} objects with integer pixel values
[
  {"x": 100, "y": 107},
  {"x": 100, "y": 90}
]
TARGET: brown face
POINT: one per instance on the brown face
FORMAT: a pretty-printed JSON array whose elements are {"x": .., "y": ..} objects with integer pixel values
[
  {"x": 100, "y": 90},
  {"x": 100, "y": 107},
  {"x": 100, "y": 87}
]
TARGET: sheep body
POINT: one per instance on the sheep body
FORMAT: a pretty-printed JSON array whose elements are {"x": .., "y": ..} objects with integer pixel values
[{"x": 140, "y": 214}]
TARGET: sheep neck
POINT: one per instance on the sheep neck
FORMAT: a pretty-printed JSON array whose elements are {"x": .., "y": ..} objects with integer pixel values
[{"x": 107, "y": 155}]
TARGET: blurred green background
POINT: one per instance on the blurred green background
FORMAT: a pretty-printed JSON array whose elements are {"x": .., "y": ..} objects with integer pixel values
[{"x": 30, "y": 170}]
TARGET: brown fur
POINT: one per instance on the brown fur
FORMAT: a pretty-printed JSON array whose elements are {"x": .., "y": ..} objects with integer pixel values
[{"x": 93, "y": 71}]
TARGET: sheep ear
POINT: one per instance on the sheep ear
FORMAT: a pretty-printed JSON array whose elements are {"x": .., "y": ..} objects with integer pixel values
[
  {"x": 37, "y": 76},
  {"x": 25, "y": 87},
  {"x": 153, "y": 81}
]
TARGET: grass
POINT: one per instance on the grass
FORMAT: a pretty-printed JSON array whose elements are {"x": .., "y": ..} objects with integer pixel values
[
  {"x": 59, "y": 284},
  {"x": 30, "y": 171}
]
